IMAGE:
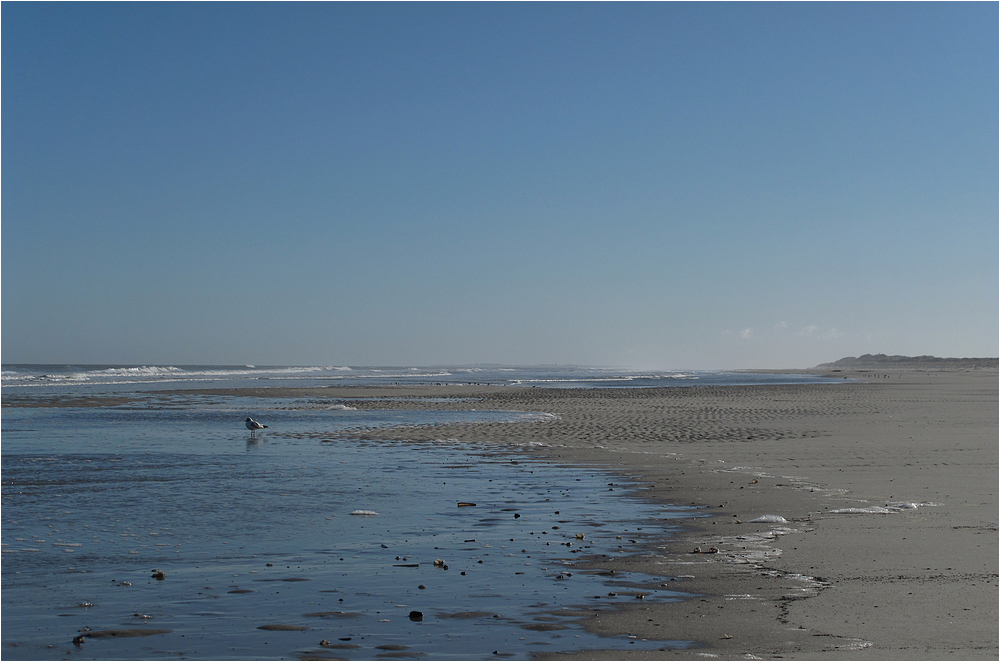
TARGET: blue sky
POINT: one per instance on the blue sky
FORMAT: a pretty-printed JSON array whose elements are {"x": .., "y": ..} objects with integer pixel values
[{"x": 657, "y": 185}]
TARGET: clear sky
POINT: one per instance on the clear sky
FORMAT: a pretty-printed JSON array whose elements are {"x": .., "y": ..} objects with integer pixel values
[{"x": 657, "y": 185}]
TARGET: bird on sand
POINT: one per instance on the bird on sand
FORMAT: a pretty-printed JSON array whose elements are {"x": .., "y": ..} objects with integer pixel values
[{"x": 253, "y": 425}]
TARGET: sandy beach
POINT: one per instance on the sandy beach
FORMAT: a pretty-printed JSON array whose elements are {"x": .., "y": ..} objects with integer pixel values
[
  {"x": 885, "y": 486},
  {"x": 850, "y": 520}
]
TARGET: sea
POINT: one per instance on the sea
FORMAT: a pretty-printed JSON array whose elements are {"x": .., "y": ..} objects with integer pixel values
[
  {"x": 110, "y": 378},
  {"x": 156, "y": 526}
]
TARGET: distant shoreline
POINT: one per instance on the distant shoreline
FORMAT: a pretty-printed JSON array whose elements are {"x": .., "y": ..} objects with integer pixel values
[
  {"x": 862, "y": 365},
  {"x": 883, "y": 361}
]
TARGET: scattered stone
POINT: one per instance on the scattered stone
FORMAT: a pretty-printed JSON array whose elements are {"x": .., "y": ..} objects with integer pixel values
[
  {"x": 159, "y": 575},
  {"x": 280, "y": 627},
  {"x": 465, "y": 504},
  {"x": 416, "y": 616}
]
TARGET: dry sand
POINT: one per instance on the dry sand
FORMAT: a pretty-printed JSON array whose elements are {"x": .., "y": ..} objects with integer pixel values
[{"x": 913, "y": 583}]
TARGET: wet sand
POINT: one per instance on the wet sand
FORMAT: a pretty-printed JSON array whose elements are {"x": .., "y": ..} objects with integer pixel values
[
  {"x": 916, "y": 582},
  {"x": 908, "y": 572}
]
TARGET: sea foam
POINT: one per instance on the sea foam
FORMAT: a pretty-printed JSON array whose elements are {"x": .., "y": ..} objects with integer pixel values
[
  {"x": 893, "y": 507},
  {"x": 770, "y": 519}
]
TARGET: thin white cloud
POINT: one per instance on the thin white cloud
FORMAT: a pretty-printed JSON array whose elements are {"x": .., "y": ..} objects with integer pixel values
[{"x": 819, "y": 333}]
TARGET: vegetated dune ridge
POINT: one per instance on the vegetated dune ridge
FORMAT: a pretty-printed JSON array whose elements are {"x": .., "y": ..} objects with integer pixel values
[{"x": 872, "y": 361}]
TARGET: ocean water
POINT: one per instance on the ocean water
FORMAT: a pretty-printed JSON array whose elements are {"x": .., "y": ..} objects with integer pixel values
[
  {"x": 290, "y": 543},
  {"x": 108, "y": 378}
]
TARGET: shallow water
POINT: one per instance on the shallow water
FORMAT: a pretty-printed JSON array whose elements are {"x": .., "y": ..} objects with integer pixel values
[{"x": 254, "y": 531}]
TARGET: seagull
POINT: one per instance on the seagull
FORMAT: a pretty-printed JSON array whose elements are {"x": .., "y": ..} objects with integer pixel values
[{"x": 253, "y": 425}]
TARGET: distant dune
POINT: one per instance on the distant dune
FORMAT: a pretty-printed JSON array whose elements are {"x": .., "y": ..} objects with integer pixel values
[{"x": 884, "y": 361}]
